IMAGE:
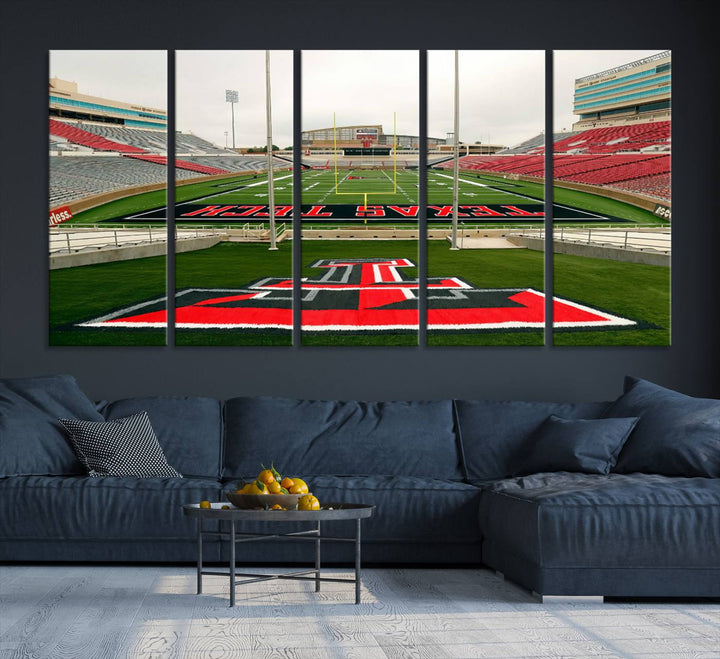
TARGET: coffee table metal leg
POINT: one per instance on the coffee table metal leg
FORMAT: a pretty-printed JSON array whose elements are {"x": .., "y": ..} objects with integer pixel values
[
  {"x": 200, "y": 556},
  {"x": 317, "y": 560},
  {"x": 357, "y": 561},
  {"x": 232, "y": 562}
]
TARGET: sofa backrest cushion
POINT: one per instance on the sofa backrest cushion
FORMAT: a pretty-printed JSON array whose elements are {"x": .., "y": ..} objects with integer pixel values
[
  {"x": 189, "y": 429},
  {"x": 32, "y": 440},
  {"x": 314, "y": 437},
  {"x": 589, "y": 446},
  {"x": 677, "y": 435},
  {"x": 494, "y": 434}
]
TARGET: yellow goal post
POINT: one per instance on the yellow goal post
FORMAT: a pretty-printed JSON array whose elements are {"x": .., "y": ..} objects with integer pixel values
[{"x": 365, "y": 193}]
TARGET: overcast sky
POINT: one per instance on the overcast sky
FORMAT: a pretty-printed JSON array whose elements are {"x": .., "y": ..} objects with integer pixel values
[
  {"x": 133, "y": 76},
  {"x": 502, "y": 94},
  {"x": 204, "y": 75},
  {"x": 501, "y": 97},
  {"x": 360, "y": 87}
]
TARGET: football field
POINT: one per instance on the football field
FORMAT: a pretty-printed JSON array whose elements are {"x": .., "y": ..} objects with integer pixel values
[
  {"x": 375, "y": 196},
  {"x": 361, "y": 292}
]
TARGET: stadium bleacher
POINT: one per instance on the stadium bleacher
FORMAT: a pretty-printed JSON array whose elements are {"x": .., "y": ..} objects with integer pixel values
[
  {"x": 75, "y": 177},
  {"x": 131, "y": 157},
  {"x": 106, "y": 137},
  {"x": 180, "y": 164},
  {"x": 634, "y": 158},
  {"x": 235, "y": 163},
  {"x": 187, "y": 143},
  {"x": 657, "y": 185},
  {"x": 614, "y": 139},
  {"x": 79, "y": 136},
  {"x": 534, "y": 143}
]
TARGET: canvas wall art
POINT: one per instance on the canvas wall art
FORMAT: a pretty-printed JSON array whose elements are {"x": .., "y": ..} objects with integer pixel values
[
  {"x": 107, "y": 164},
  {"x": 360, "y": 197},
  {"x": 486, "y": 110},
  {"x": 473, "y": 178},
  {"x": 611, "y": 164}
]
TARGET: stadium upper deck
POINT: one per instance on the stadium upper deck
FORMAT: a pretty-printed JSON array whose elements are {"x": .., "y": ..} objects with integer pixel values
[{"x": 632, "y": 93}]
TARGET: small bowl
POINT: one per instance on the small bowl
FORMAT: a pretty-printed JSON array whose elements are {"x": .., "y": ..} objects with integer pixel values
[{"x": 250, "y": 501}]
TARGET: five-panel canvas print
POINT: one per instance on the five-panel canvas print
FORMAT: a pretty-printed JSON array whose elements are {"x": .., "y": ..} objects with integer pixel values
[{"x": 463, "y": 194}]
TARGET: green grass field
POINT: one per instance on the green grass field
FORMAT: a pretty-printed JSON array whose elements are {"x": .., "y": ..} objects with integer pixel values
[
  {"x": 381, "y": 186},
  {"x": 80, "y": 294}
]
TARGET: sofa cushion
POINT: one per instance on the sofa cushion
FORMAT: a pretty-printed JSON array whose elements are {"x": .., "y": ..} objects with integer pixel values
[
  {"x": 121, "y": 447},
  {"x": 677, "y": 435},
  {"x": 313, "y": 437},
  {"x": 494, "y": 435},
  {"x": 614, "y": 521},
  {"x": 102, "y": 509},
  {"x": 32, "y": 440},
  {"x": 590, "y": 446},
  {"x": 189, "y": 429}
]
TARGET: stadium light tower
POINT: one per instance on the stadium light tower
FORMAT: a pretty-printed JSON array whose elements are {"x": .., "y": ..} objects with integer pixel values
[
  {"x": 231, "y": 96},
  {"x": 456, "y": 156},
  {"x": 271, "y": 187}
]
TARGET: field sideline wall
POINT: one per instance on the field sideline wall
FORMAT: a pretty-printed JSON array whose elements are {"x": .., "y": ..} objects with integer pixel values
[{"x": 87, "y": 203}]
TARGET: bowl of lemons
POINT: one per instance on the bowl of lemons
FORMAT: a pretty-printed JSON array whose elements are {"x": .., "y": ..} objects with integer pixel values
[{"x": 272, "y": 491}]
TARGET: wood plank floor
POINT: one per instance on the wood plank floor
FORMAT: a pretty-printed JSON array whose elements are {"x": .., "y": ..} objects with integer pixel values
[{"x": 95, "y": 612}]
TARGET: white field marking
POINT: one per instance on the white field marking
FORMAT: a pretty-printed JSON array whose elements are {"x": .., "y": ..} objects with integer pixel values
[
  {"x": 99, "y": 321},
  {"x": 215, "y": 194},
  {"x": 517, "y": 194},
  {"x": 393, "y": 272},
  {"x": 405, "y": 194},
  {"x": 310, "y": 186},
  {"x": 251, "y": 185},
  {"x": 360, "y": 328},
  {"x": 610, "y": 319},
  {"x": 334, "y": 187}
]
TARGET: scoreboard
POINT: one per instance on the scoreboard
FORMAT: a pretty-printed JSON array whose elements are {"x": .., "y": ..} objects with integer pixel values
[{"x": 372, "y": 133}]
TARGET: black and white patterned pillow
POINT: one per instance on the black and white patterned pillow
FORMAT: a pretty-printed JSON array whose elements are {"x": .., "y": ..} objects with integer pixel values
[{"x": 121, "y": 447}]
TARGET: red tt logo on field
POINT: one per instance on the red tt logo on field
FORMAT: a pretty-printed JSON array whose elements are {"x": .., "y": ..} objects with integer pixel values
[{"x": 361, "y": 295}]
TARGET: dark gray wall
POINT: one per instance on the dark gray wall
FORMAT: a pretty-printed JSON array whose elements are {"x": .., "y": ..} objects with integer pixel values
[{"x": 31, "y": 27}]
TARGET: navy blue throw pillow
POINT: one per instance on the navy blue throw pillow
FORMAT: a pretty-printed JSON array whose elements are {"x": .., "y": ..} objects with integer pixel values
[
  {"x": 32, "y": 440},
  {"x": 677, "y": 435},
  {"x": 590, "y": 446}
]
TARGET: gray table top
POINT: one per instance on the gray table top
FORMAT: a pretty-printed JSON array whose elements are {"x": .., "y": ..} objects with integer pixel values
[{"x": 329, "y": 511}]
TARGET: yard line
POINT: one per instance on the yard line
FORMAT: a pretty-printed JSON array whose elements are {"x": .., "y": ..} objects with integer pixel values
[
  {"x": 334, "y": 187},
  {"x": 407, "y": 196}
]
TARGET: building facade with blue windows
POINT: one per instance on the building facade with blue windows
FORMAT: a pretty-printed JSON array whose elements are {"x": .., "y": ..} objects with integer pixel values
[
  {"x": 67, "y": 103},
  {"x": 639, "y": 91}
]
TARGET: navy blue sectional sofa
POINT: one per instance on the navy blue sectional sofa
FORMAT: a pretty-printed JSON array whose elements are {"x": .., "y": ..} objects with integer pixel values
[{"x": 449, "y": 479}]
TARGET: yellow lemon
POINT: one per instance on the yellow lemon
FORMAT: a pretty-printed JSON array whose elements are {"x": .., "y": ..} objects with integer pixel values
[
  {"x": 266, "y": 476},
  {"x": 299, "y": 487},
  {"x": 257, "y": 487},
  {"x": 308, "y": 502},
  {"x": 205, "y": 504},
  {"x": 274, "y": 487}
]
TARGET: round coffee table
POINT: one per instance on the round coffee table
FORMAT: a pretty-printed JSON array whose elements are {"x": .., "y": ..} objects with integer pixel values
[{"x": 329, "y": 513}]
